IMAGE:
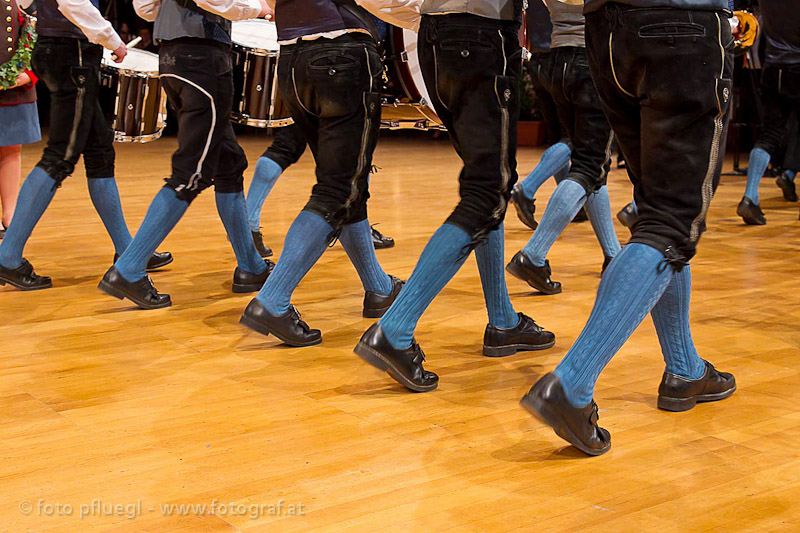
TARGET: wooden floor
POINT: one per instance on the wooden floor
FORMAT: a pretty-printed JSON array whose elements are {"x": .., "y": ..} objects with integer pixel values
[{"x": 102, "y": 405}]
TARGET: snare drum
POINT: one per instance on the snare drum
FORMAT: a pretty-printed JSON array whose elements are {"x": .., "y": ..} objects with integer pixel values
[
  {"x": 405, "y": 99},
  {"x": 256, "y": 99},
  {"x": 131, "y": 96}
]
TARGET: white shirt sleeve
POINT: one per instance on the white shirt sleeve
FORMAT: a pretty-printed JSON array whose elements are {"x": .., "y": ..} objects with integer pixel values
[
  {"x": 403, "y": 13},
  {"x": 87, "y": 17},
  {"x": 147, "y": 9},
  {"x": 232, "y": 9}
]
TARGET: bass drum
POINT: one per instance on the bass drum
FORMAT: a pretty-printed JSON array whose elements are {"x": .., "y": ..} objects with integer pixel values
[{"x": 406, "y": 103}]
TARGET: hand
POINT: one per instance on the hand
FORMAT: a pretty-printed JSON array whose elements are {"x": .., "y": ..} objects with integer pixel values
[
  {"x": 120, "y": 53},
  {"x": 22, "y": 79},
  {"x": 266, "y": 11}
]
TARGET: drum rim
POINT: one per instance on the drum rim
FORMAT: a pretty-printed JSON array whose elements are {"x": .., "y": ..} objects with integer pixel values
[{"x": 261, "y": 52}]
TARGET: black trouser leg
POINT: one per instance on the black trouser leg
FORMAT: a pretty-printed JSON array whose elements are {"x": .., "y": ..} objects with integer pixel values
[{"x": 287, "y": 146}]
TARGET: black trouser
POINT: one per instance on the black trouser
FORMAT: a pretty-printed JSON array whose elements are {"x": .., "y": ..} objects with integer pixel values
[
  {"x": 71, "y": 70},
  {"x": 287, "y": 146},
  {"x": 197, "y": 77},
  {"x": 331, "y": 89},
  {"x": 472, "y": 67},
  {"x": 780, "y": 95},
  {"x": 545, "y": 104},
  {"x": 564, "y": 72},
  {"x": 664, "y": 77}
]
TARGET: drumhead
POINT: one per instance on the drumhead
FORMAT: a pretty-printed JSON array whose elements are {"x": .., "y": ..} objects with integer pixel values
[
  {"x": 410, "y": 43},
  {"x": 256, "y": 34},
  {"x": 136, "y": 61}
]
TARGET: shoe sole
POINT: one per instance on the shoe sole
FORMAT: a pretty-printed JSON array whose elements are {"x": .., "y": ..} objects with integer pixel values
[
  {"x": 382, "y": 246},
  {"x": 787, "y": 188},
  {"x": 518, "y": 273},
  {"x": 240, "y": 288},
  {"x": 677, "y": 405},
  {"x": 4, "y": 281},
  {"x": 121, "y": 295},
  {"x": 159, "y": 265},
  {"x": 511, "y": 349},
  {"x": 751, "y": 221},
  {"x": 374, "y": 313},
  {"x": 522, "y": 218},
  {"x": 377, "y": 360},
  {"x": 541, "y": 411},
  {"x": 258, "y": 327}
]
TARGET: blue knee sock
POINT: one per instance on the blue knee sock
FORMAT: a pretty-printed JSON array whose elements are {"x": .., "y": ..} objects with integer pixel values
[
  {"x": 105, "y": 197},
  {"x": 565, "y": 203},
  {"x": 439, "y": 262},
  {"x": 266, "y": 174},
  {"x": 491, "y": 261},
  {"x": 233, "y": 213},
  {"x": 598, "y": 207},
  {"x": 759, "y": 161},
  {"x": 357, "y": 242},
  {"x": 304, "y": 245},
  {"x": 164, "y": 212},
  {"x": 630, "y": 288},
  {"x": 671, "y": 318},
  {"x": 34, "y": 197},
  {"x": 790, "y": 174},
  {"x": 554, "y": 159},
  {"x": 636, "y": 209}
]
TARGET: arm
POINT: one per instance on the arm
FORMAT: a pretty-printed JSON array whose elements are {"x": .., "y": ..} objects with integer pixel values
[
  {"x": 403, "y": 13},
  {"x": 234, "y": 9},
  {"x": 85, "y": 16},
  {"x": 147, "y": 9}
]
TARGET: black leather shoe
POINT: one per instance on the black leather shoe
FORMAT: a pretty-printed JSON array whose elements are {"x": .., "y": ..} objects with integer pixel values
[
  {"x": 244, "y": 281},
  {"x": 787, "y": 188},
  {"x": 581, "y": 216},
  {"x": 287, "y": 327},
  {"x": 405, "y": 366},
  {"x": 537, "y": 277},
  {"x": 376, "y": 305},
  {"x": 606, "y": 261},
  {"x": 577, "y": 425},
  {"x": 379, "y": 240},
  {"x": 628, "y": 216},
  {"x": 24, "y": 278},
  {"x": 156, "y": 261},
  {"x": 751, "y": 213},
  {"x": 141, "y": 292},
  {"x": 525, "y": 336},
  {"x": 263, "y": 249},
  {"x": 677, "y": 393},
  {"x": 525, "y": 208}
]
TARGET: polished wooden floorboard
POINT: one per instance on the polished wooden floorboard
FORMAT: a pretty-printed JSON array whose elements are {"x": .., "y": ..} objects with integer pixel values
[{"x": 100, "y": 402}]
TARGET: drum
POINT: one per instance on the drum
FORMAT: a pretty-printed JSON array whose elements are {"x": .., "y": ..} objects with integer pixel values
[
  {"x": 405, "y": 99},
  {"x": 256, "y": 99},
  {"x": 131, "y": 96}
]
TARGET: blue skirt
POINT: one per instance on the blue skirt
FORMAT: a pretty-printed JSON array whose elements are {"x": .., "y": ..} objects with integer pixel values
[{"x": 19, "y": 124}]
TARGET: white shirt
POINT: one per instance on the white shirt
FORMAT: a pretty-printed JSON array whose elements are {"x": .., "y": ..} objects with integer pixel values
[
  {"x": 88, "y": 18},
  {"x": 229, "y": 9},
  {"x": 403, "y": 13}
]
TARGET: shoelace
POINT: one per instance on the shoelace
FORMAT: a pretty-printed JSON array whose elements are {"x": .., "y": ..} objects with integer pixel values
[
  {"x": 296, "y": 315},
  {"x": 419, "y": 356},
  {"x": 595, "y": 415}
]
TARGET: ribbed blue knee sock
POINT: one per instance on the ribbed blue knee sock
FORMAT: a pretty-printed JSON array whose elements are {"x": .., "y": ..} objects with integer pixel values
[
  {"x": 162, "y": 216},
  {"x": 790, "y": 174},
  {"x": 439, "y": 262},
  {"x": 233, "y": 213},
  {"x": 565, "y": 203},
  {"x": 305, "y": 243},
  {"x": 759, "y": 161},
  {"x": 554, "y": 159},
  {"x": 490, "y": 256},
  {"x": 105, "y": 197},
  {"x": 357, "y": 242},
  {"x": 631, "y": 286},
  {"x": 598, "y": 207},
  {"x": 671, "y": 318},
  {"x": 266, "y": 174},
  {"x": 34, "y": 197}
]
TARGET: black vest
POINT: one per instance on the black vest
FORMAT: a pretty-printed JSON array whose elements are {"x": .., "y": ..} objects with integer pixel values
[
  {"x": 51, "y": 23},
  {"x": 298, "y": 18}
]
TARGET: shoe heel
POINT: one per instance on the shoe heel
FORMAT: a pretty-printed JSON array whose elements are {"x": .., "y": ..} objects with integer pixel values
[
  {"x": 243, "y": 289},
  {"x": 498, "y": 351},
  {"x": 110, "y": 290},
  {"x": 365, "y": 353},
  {"x": 374, "y": 313},
  {"x": 252, "y": 324},
  {"x": 676, "y": 405}
]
